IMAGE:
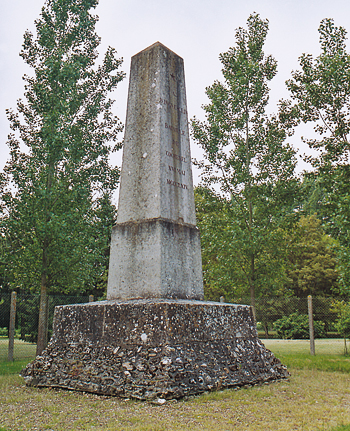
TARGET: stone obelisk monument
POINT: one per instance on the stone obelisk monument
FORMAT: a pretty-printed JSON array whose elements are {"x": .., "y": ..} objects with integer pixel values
[
  {"x": 154, "y": 337},
  {"x": 155, "y": 249}
]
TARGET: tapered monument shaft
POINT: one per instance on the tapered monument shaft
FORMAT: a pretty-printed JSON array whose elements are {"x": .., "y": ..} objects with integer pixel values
[{"x": 155, "y": 247}]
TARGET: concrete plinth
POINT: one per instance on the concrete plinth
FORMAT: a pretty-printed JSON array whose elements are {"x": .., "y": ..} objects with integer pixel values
[
  {"x": 155, "y": 259},
  {"x": 150, "y": 349}
]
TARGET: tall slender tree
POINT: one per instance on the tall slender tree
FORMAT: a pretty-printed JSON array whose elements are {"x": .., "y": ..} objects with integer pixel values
[
  {"x": 246, "y": 158},
  {"x": 311, "y": 263},
  {"x": 58, "y": 177},
  {"x": 320, "y": 95}
]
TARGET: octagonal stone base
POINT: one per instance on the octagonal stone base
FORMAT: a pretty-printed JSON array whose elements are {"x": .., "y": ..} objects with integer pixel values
[{"x": 150, "y": 349}]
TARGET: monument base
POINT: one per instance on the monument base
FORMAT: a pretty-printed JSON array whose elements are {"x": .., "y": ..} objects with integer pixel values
[
  {"x": 149, "y": 349},
  {"x": 155, "y": 258}
]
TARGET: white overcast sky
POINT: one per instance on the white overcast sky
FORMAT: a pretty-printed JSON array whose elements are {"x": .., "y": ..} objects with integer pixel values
[{"x": 197, "y": 30}]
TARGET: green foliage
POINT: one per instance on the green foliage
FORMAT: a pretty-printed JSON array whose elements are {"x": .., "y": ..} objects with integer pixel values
[
  {"x": 321, "y": 91},
  {"x": 296, "y": 326},
  {"x": 56, "y": 188},
  {"x": 342, "y": 324},
  {"x": 320, "y": 94},
  {"x": 311, "y": 259},
  {"x": 28, "y": 316},
  {"x": 248, "y": 165},
  {"x": 5, "y": 310},
  {"x": 223, "y": 252}
]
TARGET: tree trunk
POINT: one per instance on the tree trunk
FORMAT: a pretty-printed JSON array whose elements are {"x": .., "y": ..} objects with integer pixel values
[
  {"x": 43, "y": 311},
  {"x": 252, "y": 286},
  {"x": 250, "y": 208},
  {"x": 252, "y": 282},
  {"x": 266, "y": 329}
]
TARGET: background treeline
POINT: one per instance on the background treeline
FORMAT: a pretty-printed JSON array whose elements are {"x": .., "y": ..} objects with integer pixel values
[
  {"x": 300, "y": 260},
  {"x": 265, "y": 229}
]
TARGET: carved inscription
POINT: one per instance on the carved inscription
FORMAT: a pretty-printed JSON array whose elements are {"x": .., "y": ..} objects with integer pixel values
[
  {"x": 176, "y": 170},
  {"x": 179, "y": 171},
  {"x": 175, "y": 142},
  {"x": 175, "y": 156},
  {"x": 174, "y": 129},
  {"x": 172, "y": 106},
  {"x": 176, "y": 184}
]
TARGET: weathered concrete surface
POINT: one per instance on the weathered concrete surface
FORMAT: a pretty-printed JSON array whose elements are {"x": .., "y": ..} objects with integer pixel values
[
  {"x": 156, "y": 178},
  {"x": 153, "y": 349},
  {"x": 155, "y": 246},
  {"x": 160, "y": 254}
]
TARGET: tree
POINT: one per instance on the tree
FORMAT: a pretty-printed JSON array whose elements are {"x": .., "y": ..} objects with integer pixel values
[
  {"x": 247, "y": 160},
  {"x": 222, "y": 253},
  {"x": 320, "y": 95},
  {"x": 311, "y": 262},
  {"x": 55, "y": 192},
  {"x": 342, "y": 324}
]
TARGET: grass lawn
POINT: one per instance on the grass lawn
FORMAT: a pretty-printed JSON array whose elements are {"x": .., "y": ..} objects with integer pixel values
[
  {"x": 296, "y": 354},
  {"x": 21, "y": 351},
  {"x": 317, "y": 397}
]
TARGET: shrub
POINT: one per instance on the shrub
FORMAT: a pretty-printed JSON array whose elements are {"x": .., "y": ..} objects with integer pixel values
[
  {"x": 342, "y": 324},
  {"x": 297, "y": 326},
  {"x": 4, "y": 332}
]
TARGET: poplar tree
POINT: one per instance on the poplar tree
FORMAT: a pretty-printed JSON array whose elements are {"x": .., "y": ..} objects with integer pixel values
[
  {"x": 320, "y": 95},
  {"x": 56, "y": 188},
  {"x": 246, "y": 158}
]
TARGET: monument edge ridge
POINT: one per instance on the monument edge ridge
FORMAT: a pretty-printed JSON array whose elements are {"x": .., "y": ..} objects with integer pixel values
[
  {"x": 145, "y": 301},
  {"x": 155, "y": 220},
  {"x": 153, "y": 46}
]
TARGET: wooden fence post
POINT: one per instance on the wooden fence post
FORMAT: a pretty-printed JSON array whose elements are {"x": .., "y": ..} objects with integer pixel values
[
  {"x": 311, "y": 325},
  {"x": 12, "y": 326},
  {"x": 91, "y": 298}
]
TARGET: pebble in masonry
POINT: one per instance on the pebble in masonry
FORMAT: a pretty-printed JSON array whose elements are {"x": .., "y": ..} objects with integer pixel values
[{"x": 155, "y": 246}]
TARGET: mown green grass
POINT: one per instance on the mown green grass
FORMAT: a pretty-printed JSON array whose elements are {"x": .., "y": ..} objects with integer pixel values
[
  {"x": 311, "y": 400},
  {"x": 22, "y": 350},
  {"x": 296, "y": 354},
  {"x": 317, "y": 397},
  {"x": 303, "y": 361},
  {"x": 14, "y": 367},
  {"x": 341, "y": 428}
]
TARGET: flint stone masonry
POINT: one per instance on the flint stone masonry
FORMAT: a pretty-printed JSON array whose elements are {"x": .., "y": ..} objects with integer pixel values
[
  {"x": 155, "y": 245},
  {"x": 149, "y": 349}
]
